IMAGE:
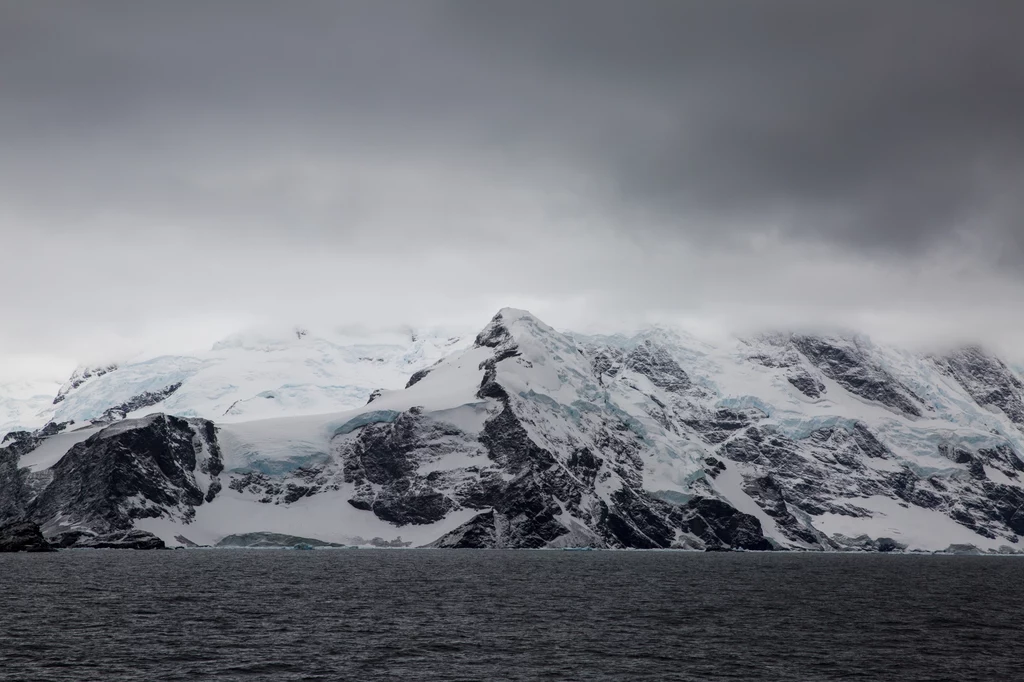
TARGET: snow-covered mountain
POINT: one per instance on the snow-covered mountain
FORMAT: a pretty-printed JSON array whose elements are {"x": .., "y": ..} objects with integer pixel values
[
  {"x": 528, "y": 437},
  {"x": 244, "y": 377}
]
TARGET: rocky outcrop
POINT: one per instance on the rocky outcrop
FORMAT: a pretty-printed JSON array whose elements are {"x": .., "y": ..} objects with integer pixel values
[
  {"x": 716, "y": 427},
  {"x": 52, "y": 429},
  {"x": 850, "y": 362},
  {"x": 988, "y": 380},
  {"x": 852, "y": 367},
  {"x": 795, "y": 480},
  {"x": 126, "y": 539},
  {"x": 805, "y": 382},
  {"x": 23, "y": 536},
  {"x": 15, "y": 493},
  {"x": 383, "y": 464},
  {"x": 415, "y": 378},
  {"x": 657, "y": 364},
  {"x": 775, "y": 351},
  {"x": 150, "y": 467},
  {"x": 720, "y": 525}
]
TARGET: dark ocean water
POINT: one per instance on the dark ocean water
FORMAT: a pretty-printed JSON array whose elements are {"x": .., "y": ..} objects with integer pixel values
[{"x": 494, "y": 615}]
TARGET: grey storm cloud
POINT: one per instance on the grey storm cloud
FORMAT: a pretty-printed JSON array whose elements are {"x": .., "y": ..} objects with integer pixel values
[
  {"x": 637, "y": 150},
  {"x": 876, "y": 124}
]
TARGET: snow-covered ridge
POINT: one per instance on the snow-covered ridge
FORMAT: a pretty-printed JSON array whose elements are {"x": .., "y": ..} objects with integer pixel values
[
  {"x": 79, "y": 377},
  {"x": 244, "y": 377},
  {"x": 527, "y": 436}
]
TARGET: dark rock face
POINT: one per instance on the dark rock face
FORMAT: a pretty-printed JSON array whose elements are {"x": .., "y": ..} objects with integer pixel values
[
  {"x": 986, "y": 507},
  {"x": 776, "y": 352},
  {"x": 482, "y": 531},
  {"x": 845, "y": 361},
  {"x": 719, "y": 524},
  {"x": 791, "y": 479},
  {"x": 988, "y": 380},
  {"x": 383, "y": 464},
  {"x": 831, "y": 467},
  {"x": 525, "y": 511},
  {"x": 806, "y": 383},
  {"x": 22, "y": 536},
  {"x": 868, "y": 444},
  {"x": 770, "y": 496},
  {"x": 532, "y": 496},
  {"x": 524, "y": 518},
  {"x": 723, "y": 423},
  {"x": 52, "y": 429},
  {"x": 655, "y": 362},
  {"x": 133, "y": 469},
  {"x": 18, "y": 486},
  {"x": 14, "y": 489},
  {"x": 16, "y": 436},
  {"x": 605, "y": 361},
  {"x": 852, "y": 367},
  {"x": 495, "y": 334}
]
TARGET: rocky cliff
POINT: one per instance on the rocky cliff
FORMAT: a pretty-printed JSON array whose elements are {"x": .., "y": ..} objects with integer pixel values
[{"x": 157, "y": 466}]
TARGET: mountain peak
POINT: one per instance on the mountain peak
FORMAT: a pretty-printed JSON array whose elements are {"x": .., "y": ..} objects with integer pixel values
[
  {"x": 81, "y": 375},
  {"x": 511, "y": 323},
  {"x": 512, "y": 314}
]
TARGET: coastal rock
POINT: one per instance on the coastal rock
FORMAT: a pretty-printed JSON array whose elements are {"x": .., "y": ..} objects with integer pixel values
[
  {"x": 23, "y": 536},
  {"x": 129, "y": 539},
  {"x": 150, "y": 467}
]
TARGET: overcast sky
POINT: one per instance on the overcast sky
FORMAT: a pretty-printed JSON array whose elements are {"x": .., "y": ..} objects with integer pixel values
[{"x": 172, "y": 171}]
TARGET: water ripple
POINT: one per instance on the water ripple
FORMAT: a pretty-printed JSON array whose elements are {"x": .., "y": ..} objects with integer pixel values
[{"x": 491, "y": 615}]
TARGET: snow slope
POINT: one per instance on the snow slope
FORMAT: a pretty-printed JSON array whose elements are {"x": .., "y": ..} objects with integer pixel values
[
  {"x": 244, "y": 377},
  {"x": 22, "y": 403}
]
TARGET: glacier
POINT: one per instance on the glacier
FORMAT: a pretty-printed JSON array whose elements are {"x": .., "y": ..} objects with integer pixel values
[{"x": 243, "y": 377}]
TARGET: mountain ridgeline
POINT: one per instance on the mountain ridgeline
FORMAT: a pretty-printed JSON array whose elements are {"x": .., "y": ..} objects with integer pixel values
[{"x": 526, "y": 437}]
